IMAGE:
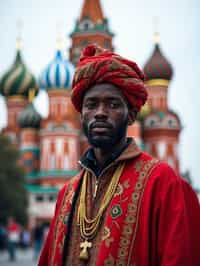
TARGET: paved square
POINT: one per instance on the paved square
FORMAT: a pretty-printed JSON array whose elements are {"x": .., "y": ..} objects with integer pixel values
[{"x": 23, "y": 258}]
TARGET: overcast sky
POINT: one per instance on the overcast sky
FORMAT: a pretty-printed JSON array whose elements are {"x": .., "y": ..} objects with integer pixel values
[{"x": 132, "y": 23}]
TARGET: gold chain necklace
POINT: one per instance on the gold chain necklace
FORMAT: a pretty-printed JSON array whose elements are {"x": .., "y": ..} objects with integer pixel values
[{"x": 89, "y": 227}]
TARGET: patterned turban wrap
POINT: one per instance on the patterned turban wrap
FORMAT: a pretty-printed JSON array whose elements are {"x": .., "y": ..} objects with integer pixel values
[{"x": 97, "y": 66}]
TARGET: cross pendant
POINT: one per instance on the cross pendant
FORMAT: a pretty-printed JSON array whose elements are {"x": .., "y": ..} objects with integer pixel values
[{"x": 84, "y": 252}]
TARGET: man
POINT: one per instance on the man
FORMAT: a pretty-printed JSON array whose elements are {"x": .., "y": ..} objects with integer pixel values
[{"x": 125, "y": 207}]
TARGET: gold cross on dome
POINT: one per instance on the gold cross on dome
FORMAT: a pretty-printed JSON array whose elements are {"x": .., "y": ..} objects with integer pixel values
[{"x": 84, "y": 252}]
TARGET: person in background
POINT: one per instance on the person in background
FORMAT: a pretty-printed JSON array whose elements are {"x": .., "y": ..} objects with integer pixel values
[
  {"x": 25, "y": 238},
  {"x": 38, "y": 238},
  {"x": 13, "y": 237}
]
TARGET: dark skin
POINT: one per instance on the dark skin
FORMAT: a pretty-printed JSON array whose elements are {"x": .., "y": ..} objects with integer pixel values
[{"x": 105, "y": 117}]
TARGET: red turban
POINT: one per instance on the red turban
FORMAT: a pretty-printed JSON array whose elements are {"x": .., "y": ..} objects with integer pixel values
[{"x": 97, "y": 65}]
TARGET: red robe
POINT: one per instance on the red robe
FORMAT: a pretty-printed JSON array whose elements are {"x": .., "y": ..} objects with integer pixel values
[{"x": 153, "y": 219}]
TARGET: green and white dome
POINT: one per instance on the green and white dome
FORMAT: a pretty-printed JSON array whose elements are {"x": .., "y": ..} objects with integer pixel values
[{"x": 18, "y": 81}]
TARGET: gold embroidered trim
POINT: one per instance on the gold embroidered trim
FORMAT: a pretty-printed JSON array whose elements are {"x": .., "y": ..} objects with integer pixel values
[
  {"x": 131, "y": 221},
  {"x": 59, "y": 228},
  {"x": 148, "y": 167}
]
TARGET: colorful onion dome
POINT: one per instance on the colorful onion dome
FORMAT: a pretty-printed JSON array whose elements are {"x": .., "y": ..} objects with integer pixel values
[
  {"x": 58, "y": 74},
  {"x": 158, "y": 67},
  {"x": 29, "y": 117},
  {"x": 17, "y": 81}
]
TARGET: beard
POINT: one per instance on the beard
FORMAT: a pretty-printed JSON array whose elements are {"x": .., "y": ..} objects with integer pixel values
[{"x": 106, "y": 141}]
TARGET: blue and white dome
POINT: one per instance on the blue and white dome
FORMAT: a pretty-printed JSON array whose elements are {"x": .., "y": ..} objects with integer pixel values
[{"x": 58, "y": 74}]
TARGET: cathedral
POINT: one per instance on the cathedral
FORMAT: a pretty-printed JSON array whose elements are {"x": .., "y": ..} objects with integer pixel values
[{"x": 51, "y": 147}]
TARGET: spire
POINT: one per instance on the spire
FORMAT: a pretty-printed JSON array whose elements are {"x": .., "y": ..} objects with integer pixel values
[
  {"x": 156, "y": 38},
  {"x": 93, "y": 10},
  {"x": 19, "y": 26},
  {"x": 156, "y": 32},
  {"x": 59, "y": 33},
  {"x": 19, "y": 35}
]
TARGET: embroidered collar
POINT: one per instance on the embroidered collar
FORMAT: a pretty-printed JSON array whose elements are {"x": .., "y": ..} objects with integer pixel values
[{"x": 130, "y": 150}]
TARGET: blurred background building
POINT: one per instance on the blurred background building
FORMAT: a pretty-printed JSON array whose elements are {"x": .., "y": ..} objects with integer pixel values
[{"x": 51, "y": 147}]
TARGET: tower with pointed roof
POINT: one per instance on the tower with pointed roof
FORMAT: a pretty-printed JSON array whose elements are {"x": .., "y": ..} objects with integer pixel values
[
  {"x": 29, "y": 122},
  {"x": 60, "y": 130},
  {"x": 161, "y": 125},
  {"x": 15, "y": 86},
  {"x": 158, "y": 73},
  {"x": 90, "y": 27},
  {"x": 59, "y": 143}
]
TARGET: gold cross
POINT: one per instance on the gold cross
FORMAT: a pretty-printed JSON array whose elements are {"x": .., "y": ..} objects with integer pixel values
[{"x": 84, "y": 252}]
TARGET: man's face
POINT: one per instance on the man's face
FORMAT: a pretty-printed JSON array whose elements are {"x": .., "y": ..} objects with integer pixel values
[{"x": 104, "y": 115}]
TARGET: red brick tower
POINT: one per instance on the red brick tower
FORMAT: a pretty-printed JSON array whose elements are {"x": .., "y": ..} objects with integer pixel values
[
  {"x": 29, "y": 122},
  {"x": 59, "y": 135},
  {"x": 91, "y": 27}
]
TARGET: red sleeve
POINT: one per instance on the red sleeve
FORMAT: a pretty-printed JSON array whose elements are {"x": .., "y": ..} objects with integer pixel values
[
  {"x": 44, "y": 256},
  {"x": 178, "y": 222}
]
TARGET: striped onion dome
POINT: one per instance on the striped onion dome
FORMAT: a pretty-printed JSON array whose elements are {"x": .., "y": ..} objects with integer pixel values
[
  {"x": 58, "y": 74},
  {"x": 29, "y": 117},
  {"x": 158, "y": 67},
  {"x": 17, "y": 81}
]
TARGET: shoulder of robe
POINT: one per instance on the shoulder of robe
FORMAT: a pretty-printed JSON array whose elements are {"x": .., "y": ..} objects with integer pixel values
[{"x": 164, "y": 177}]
